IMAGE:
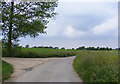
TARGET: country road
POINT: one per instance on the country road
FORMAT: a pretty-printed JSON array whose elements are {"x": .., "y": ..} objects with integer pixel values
[{"x": 59, "y": 70}]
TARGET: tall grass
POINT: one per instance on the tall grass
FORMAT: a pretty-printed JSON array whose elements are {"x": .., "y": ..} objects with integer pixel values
[
  {"x": 37, "y": 53},
  {"x": 7, "y": 69},
  {"x": 97, "y": 66}
]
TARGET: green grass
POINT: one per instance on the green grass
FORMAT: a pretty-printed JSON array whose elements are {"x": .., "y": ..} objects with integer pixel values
[
  {"x": 0, "y": 70},
  {"x": 97, "y": 66},
  {"x": 38, "y": 53},
  {"x": 7, "y": 69}
]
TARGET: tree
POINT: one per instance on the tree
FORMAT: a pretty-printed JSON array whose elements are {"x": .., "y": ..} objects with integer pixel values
[
  {"x": 50, "y": 47},
  {"x": 62, "y": 48},
  {"x": 110, "y": 49},
  {"x": 40, "y": 46},
  {"x": 56, "y": 48},
  {"x": 73, "y": 49},
  {"x": 27, "y": 46},
  {"x": 46, "y": 47},
  {"x": 107, "y": 48},
  {"x": 81, "y": 48},
  {"x": 25, "y": 18},
  {"x": 35, "y": 47},
  {"x": 98, "y": 48}
]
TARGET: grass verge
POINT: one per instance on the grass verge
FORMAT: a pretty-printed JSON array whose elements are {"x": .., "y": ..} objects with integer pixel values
[
  {"x": 97, "y": 66},
  {"x": 7, "y": 69}
]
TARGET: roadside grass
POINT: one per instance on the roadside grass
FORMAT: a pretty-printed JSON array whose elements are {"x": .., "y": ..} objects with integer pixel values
[
  {"x": 7, "y": 69},
  {"x": 97, "y": 66},
  {"x": 38, "y": 53},
  {"x": 0, "y": 70}
]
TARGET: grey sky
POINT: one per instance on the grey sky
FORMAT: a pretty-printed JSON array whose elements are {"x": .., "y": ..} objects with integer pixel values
[{"x": 80, "y": 23}]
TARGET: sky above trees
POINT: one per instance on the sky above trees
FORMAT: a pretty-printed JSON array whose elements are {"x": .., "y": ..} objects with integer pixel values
[{"x": 80, "y": 24}]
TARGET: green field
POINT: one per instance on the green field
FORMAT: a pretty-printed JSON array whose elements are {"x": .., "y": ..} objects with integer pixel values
[
  {"x": 97, "y": 66},
  {"x": 38, "y": 53},
  {"x": 7, "y": 69}
]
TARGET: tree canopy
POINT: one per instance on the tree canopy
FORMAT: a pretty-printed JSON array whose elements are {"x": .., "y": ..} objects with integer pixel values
[{"x": 25, "y": 18}]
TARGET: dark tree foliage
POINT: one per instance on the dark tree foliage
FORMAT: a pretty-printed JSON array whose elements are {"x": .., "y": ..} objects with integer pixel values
[
  {"x": 73, "y": 49},
  {"x": 81, "y": 48},
  {"x": 56, "y": 47},
  {"x": 27, "y": 46},
  {"x": 62, "y": 48},
  {"x": 40, "y": 47},
  {"x": 25, "y": 18},
  {"x": 35, "y": 47},
  {"x": 50, "y": 47},
  {"x": 93, "y": 48},
  {"x": 90, "y": 48}
]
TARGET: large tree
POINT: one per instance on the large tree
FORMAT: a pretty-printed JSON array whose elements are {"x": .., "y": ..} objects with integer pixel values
[{"x": 25, "y": 18}]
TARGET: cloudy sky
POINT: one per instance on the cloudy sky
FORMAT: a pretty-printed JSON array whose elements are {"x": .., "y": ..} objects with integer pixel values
[{"x": 79, "y": 23}]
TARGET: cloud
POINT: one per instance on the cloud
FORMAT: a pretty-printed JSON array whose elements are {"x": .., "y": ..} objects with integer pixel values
[
  {"x": 106, "y": 27},
  {"x": 82, "y": 23},
  {"x": 79, "y": 18},
  {"x": 53, "y": 29},
  {"x": 70, "y": 32}
]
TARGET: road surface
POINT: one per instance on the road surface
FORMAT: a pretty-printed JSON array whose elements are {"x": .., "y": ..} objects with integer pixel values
[{"x": 59, "y": 70}]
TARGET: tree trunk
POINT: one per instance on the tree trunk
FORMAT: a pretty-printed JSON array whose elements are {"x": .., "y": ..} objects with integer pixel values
[{"x": 10, "y": 27}]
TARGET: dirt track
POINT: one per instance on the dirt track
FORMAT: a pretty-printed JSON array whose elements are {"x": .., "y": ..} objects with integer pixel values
[{"x": 20, "y": 64}]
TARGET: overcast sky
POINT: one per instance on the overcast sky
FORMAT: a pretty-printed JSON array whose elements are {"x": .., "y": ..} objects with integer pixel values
[{"x": 80, "y": 24}]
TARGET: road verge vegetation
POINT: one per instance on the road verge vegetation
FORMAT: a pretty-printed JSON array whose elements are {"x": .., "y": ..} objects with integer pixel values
[
  {"x": 97, "y": 66},
  {"x": 7, "y": 70},
  {"x": 38, "y": 53}
]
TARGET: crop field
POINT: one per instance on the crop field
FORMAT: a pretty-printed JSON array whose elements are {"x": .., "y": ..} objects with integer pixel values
[
  {"x": 38, "y": 53},
  {"x": 7, "y": 69},
  {"x": 97, "y": 66}
]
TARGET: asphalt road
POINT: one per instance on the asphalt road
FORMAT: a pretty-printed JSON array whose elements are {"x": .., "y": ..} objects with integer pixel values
[{"x": 60, "y": 70}]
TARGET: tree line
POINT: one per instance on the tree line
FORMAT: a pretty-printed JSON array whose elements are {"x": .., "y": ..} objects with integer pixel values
[
  {"x": 93, "y": 48},
  {"x": 27, "y": 46},
  {"x": 79, "y": 48}
]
